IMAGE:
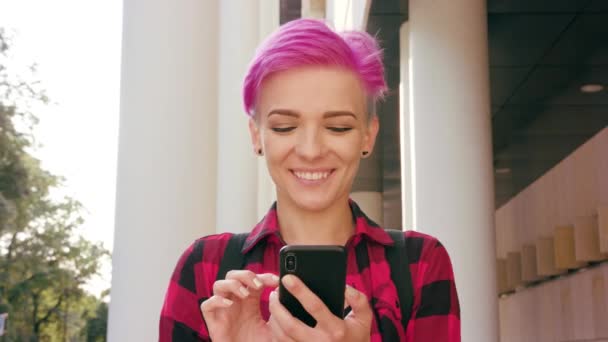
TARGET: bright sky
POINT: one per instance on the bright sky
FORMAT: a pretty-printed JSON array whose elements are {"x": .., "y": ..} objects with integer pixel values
[{"x": 76, "y": 44}]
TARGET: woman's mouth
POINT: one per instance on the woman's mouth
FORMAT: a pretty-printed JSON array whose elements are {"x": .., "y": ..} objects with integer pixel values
[{"x": 316, "y": 176}]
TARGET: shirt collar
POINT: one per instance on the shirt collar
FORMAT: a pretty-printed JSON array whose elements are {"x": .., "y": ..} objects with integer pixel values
[{"x": 364, "y": 227}]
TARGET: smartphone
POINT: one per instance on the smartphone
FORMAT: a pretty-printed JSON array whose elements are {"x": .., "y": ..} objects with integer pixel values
[{"x": 322, "y": 269}]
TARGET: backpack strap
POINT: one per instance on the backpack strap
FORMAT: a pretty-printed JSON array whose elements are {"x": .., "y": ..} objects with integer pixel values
[
  {"x": 400, "y": 274},
  {"x": 233, "y": 259}
]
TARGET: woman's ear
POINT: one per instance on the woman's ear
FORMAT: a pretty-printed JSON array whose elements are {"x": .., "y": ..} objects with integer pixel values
[
  {"x": 371, "y": 132},
  {"x": 254, "y": 132}
]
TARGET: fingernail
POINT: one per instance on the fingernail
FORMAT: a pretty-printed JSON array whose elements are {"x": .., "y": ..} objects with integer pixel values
[
  {"x": 257, "y": 283},
  {"x": 272, "y": 294},
  {"x": 288, "y": 281},
  {"x": 244, "y": 291},
  {"x": 275, "y": 278},
  {"x": 351, "y": 292},
  {"x": 227, "y": 301}
]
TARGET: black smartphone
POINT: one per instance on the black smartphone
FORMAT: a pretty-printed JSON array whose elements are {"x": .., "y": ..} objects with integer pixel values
[{"x": 322, "y": 269}]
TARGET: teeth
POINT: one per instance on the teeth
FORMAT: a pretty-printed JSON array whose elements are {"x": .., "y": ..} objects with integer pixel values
[{"x": 311, "y": 175}]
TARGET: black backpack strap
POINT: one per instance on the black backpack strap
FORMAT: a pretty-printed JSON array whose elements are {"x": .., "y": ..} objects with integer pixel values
[
  {"x": 400, "y": 274},
  {"x": 233, "y": 259}
]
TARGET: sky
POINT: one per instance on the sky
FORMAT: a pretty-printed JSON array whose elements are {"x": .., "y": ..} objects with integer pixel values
[{"x": 76, "y": 46}]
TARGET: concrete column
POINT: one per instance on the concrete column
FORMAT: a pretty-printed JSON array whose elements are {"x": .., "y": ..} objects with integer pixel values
[
  {"x": 269, "y": 14},
  {"x": 167, "y": 154},
  {"x": 313, "y": 9},
  {"x": 347, "y": 14},
  {"x": 452, "y": 149},
  {"x": 407, "y": 163},
  {"x": 237, "y": 166}
]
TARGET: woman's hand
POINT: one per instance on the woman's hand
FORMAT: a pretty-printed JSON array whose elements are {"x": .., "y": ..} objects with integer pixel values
[
  {"x": 233, "y": 312},
  {"x": 355, "y": 327}
]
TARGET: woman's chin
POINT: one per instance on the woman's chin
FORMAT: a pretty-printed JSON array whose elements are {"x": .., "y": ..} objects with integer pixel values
[{"x": 313, "y": 203}]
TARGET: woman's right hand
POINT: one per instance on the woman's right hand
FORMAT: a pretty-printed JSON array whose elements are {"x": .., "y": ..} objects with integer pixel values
[{"x": 233, "y": 312}]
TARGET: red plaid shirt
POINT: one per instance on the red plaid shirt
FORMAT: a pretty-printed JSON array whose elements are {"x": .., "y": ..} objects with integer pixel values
[{"x": 435, "y": 314}]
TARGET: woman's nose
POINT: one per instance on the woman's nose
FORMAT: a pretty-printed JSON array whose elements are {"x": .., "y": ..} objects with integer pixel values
[{"x": 309, "y": 144}]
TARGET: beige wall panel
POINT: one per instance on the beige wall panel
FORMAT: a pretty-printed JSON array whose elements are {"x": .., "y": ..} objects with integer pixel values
[
  {"x": 499, "y": 223},
  {"x": 564, "y": 248},
  {"x": 524, "y": 213},
  {"x": 565, "y": 191},
  {"x": 566, "y": 330},
  {"x": 509, "y": 227},
  {"x": 529, "y": 271},
  {"x": 545, "y": 257},
  {"x": 601, "y": 157},
  {"x": 602, "y": 215},
  {"x": 549, "y": 311},
  {"x": 529, "y": 303},
  {"x": 584, "y": 166},
  {"x": 600, "y": 303},
  {"x": 539, "y": 213},
  {"x": 514, "y": 270},
  {"x": 586, "y": 238},
  {"x": 501, "y": 275},
  {"x": 506, "y": 327},
  {"x": 582, "y": 313}
]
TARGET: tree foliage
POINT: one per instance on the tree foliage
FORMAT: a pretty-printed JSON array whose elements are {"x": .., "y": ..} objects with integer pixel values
[{"x": 43, "y": 261}]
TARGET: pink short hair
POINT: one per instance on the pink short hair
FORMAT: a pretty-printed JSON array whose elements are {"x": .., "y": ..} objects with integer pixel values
[{"x": 306, "y": 42}]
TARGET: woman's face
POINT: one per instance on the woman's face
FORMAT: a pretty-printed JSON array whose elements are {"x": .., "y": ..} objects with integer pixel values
[{"x": 312, "y": 126}]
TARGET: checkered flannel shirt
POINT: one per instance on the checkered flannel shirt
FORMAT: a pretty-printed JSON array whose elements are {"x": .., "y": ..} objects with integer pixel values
[{"x": 435, "y": 313}]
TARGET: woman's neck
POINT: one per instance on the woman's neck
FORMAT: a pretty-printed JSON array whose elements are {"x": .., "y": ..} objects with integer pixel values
[{"x": 332, "y": 226}]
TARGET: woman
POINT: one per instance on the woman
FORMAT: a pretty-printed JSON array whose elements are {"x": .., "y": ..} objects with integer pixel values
[{"x": 307, "y": 92}]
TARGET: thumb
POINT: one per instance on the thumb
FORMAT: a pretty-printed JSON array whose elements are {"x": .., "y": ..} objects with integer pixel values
[{"x": 361, "y": 311}]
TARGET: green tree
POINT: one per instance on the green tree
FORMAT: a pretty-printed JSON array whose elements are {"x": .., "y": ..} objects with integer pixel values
[
  {"x": 96, "y": 327},
  {"x": 43, "y": 261}
]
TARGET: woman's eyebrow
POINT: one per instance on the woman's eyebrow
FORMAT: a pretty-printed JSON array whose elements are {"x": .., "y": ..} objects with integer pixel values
[
  {"x": 326, "y": 115},
  {"x": 286, "y": 112},
  {"x": 333, "y": 114}
]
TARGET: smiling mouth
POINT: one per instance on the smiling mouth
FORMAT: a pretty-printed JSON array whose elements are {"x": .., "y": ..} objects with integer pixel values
[{"x": 312, "y": 176}]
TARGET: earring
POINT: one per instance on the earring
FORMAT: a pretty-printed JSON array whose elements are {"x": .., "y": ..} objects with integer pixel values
[{"x": 364, "y": 153}]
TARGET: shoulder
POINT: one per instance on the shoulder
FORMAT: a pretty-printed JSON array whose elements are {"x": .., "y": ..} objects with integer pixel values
[
  {"x": 426, "y": 249},
  {"x": 208, "y": 248},
  {"x": 200, "y": 261},
  {"x": 205, "y": 250}
]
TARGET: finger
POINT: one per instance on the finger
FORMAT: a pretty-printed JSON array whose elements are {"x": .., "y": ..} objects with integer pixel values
[
  {"x": 289, "y": 325},
  {"x": 361, "y": 310},
  {"x": 311, "y": 303},
  {"x": 277, "y": 332},
  {"x": 247, "y": 278},
  {"x": 209, "y": 306},
  {"x": 269, "y": 279},
  {"x": 230, "y": 287}
]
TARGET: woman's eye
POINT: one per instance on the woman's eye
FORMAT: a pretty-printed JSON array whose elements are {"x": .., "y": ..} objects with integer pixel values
[
  {"x": 283, "y": 129},
  {"x": 339, "y": 129}
]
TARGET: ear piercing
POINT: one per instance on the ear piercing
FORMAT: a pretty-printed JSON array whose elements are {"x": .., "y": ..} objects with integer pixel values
[
  {"x": 259, "y": 151},
  {"x": 364, "y": 153}
]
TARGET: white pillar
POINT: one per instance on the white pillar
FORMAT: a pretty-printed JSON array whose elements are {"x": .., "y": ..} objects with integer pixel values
[
  {"x": 237, "y": 166},
  {"x": 269, "y": 14},
  {"x": 452, "y": 149},
  {"x": 313, "y": 9},
  {"x": 407, "y": 185},
  {"x": 167, "y": 154},
  {"x": 347, "y": 14}
]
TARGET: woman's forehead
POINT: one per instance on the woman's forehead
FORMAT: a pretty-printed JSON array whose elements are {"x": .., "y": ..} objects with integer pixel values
[{"x": 312, "y": 89}]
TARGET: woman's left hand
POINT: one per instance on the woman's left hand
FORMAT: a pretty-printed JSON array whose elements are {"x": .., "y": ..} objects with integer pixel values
[{"x": 355, "y": 327}]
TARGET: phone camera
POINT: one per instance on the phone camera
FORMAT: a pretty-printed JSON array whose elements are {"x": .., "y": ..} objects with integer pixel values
[{"x": 290, "y": 263}]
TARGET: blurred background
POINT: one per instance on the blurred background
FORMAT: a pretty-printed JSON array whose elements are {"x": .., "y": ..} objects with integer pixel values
[{"x": 122, "y": 133}]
